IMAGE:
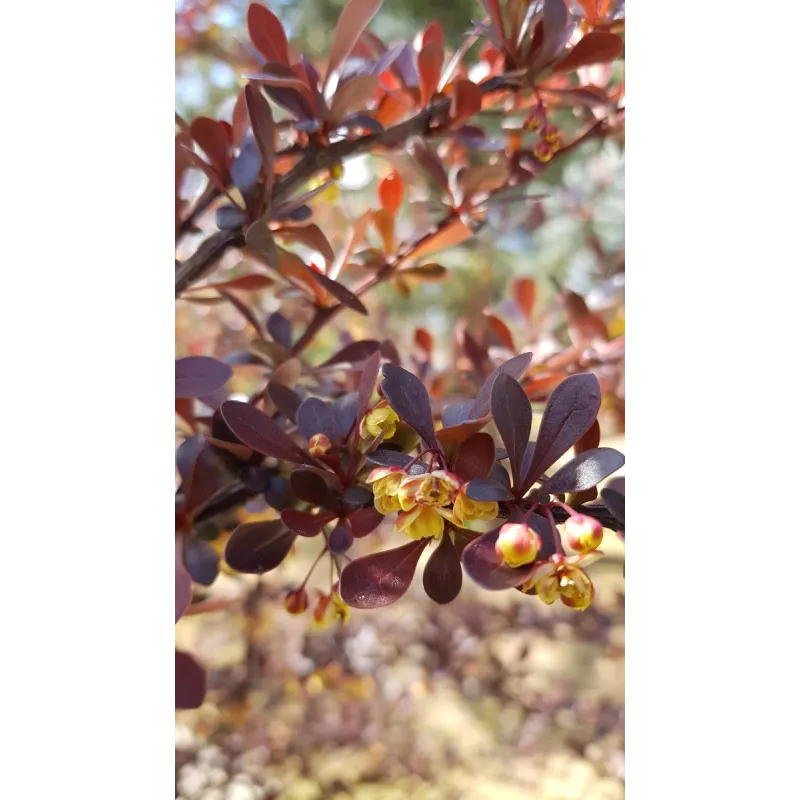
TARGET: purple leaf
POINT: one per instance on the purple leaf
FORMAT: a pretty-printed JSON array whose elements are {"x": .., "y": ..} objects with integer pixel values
[
  {"x": 487, "y": 569},
  {"x": 475, "y": 458},
  {"x": 258, "y": 547},
  {"x": 408, "y": 396},
  {"x": 303, "y": 522},
  {"x": 364, "y": 520},
  {"x": 190, "y": 682},
  {"x": 456, "y": 413},
  {"x": 246, "y": 167},
  {"x": 569, "y": 413},
  {"x": 388, "y": 458},
  {"x": 366, "y": 384},
  {"x": 344, "y": 415},
  {"x": 380, "y": 579},
  {"x": 229, "y": 218},
  {"x": 389, "y": 352},
  {"x": 341, "y": 293},
  {"x": 487, "y": 491},
  {"x": 500, "y": 475},
  {"x": 615, "y": 502},
  {"x": 584, "y": 471},
  {"x": 186, "y": 455},
  {"x": 315, "y": 416},
  {"x": 196, "y": 376},
  {"x": 405, "y": 66},
  {"x": 341, "y": 538},
  {"x": 285, "y": 399},
  {"x": 512, "y": 414},
  {"x": 386, "y": 60},
  {"x": 311, "y": 488},
  {"x": 280, "y": 329},
  {"x": 183, "y": 581},
  {"x": 204, "y": 480},
  {"x": 358, "y": 496},
  {"x": 353, "y": 353},
  {"x": 442, "y": 575},
  {"x": 201, "y": 560},
  {"x": 262, "y": 434},
  {"x": 515, "y": 367}
]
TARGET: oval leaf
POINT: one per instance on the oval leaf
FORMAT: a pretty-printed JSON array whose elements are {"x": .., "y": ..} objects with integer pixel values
[
  {"x": 315, "y": 416},
  {"x": 190, "y": 682},
  {"x": 597, "y": 47},
  {"x": 201, "y": 560},
  {"x": 512, "y": 414},
  {"x": 475, "y": 458},
  {"x": 286, "y": 400},
  {"x": 442, "y": 577},
  {"x": 615, "y": 502},
  {"x": 515, "y": 367},
  {"x": 569, "y": 413},
  {"x": 303, "y": 522},
  {"x": 364, "y": 520},
  {"x": 486, "y": 490},
  {"x": 366, "y": 384},
  {"x": 585, "y": 471},
  {"x": 258, "y": 547},
  {"x": 408, "y": 397},
  {"x": 197, "y": 376},
  {"x": 382, "y": 578},
  {"x": 353, "y": 353},
  {"x": 487, "y": 569},
  {"x": 355, "y": 17},
  {"x": 267, "y": 34},
  {"x": 311, "y": 488}
]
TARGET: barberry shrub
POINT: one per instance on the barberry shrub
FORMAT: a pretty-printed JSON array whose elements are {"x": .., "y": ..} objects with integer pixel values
[{"x": 373, "y": 441}]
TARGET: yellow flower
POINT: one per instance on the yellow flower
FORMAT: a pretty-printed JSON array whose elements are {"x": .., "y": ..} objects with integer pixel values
[
  {"x": 467, "y": 510},
  {"x": 386, "y": 482},
  {"x": 319, "y": 444},
  {"x": 422, "y": 522},
  {"x": 517, "y": 544},
  {"x": 584, "y": 533},
  {"x": 563, "y": 576},
  {"x": 329, "y": 608},
  {"x": 431, "y": 489},
  {"x": 380, "y": 419}
]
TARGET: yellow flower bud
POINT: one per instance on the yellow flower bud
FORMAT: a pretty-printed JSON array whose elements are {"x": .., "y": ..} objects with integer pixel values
[
  {"x": 583, "y": 533},
  {"x": 517, "y": 544},
  {"x": 563, "y": 577},
  {"x": 296, "y": 601},
  {"x": 319, "y": 444}
]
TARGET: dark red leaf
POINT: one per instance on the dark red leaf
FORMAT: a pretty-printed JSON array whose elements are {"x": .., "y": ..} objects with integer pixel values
[
  {"x": 245, "y": 283},
  {"x": 487, "y": 569},
  {"x": 475, "y": 458},
  {"x": 524, "y": 292},
  {"x": 512, "y": 414},
  {"x": 263, "y": 126},
  {"x": 597, "y": 47},
  {"x": 570, "y": 412},
  {"x": 364, "y": 520},
  {"x": 257, "y": 430},
  {"x": 354, "y": 18},
  {"x": 366, "y": 384},
  {"x": 183, "y": 581},
  {"x": 585, "y": 471},
  {"x": 311, "y": 488},
  {"x": 286, "y": 400},
  {"x": 408, "y": 397},
  {"x": 456, "y": 434},
  {"x": 388, "y": 458},
  {"x": 341, "y": 293},
  {"x": 590, "y": 440},
  {"x": 204, "y": 481},
  {"x": 211, "y": 136},
  {"x": 615, "y": 502},
  {"x": 197, "y": 376},
  {"x": 257, "y": 547},
  {"x": 201, "y": 560},
  {"x": 380, "y": 579},
  {"x": 515, "y": 367},
  {"x": 353, "y": 353},
  {"x": 267, "y": 34},
  {"x": 304, "y": 523},
  {"x": 442, "y": 576},
  {"x": 555, "y": 28},
  {"x": 315, "y": 416},
  {"x": 487, "y": 490},
  {"x": 190, "y": 682}
]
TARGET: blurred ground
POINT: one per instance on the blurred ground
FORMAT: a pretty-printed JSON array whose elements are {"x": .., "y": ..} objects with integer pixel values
[{"x": 493, "y": 697}]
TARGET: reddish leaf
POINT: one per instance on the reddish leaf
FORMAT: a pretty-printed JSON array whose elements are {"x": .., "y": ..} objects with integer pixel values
[
  {"x": 475, "y": 458},
  {"x": 213, "y": 140},
  {"x": 584, "y": 471},
  {"x": 264, "y": 133},
  {"x": 515, "y": 367},
  {"x": 597, "y": 47},
  {"x": 183, "y": 581},
  {"x": 523, "y": 291},
  {"x": 590, "y": 440},
  {"x": 190, "y": 682},
  {"x": 311, "y": 487},
  {"x": 244, "y": 283},
  {"x": 433, "y": 33},
  {"x": 589, "y": 9},
  {"x": 487, "y": 569},
  {"x": 366, "y": 384},
  {"x": 408, "y": 396},
  {"x": 496, "y": 15},
  {"x": 442, "y": 576},
  {"x": 501, "y": 331},
  {"x": 569, "y": 413},
  {"x": 355, "y": 17},
  {"x": 286, "y": 400},
  {"x": 311, "y": 236},
  {"x": 554, "y": 31},
  {"x": 615, "y": 502},
  {"x": 353, "y": 353},
  {"x": 258, "y": 547},
  {"x": 467, "y": 101},
  {"x": 429, "y": 65},
  {"x": 341, "y": 293},
  {"x": 390, "y": 193},
  {"x": 304, "y": 523},
  {"x": 380, "y": 579},
  {"x": 512, "y": 414},
  {"x": 315, "y": 416},
  {"x": 267, "y": 34},
  {"x": 197, "y": 376},
  {"x": 364, "y": 520},
  {"x": 353, "y": 95},
  {"x": 456, "y": 434},
  {"x": 424, "y": 341},
  {"x": 474, "y": 352},
  {"x": 389, "y": 351},
  {"x": 487, "y": 491},
  {"x": 264, "y": 435}
]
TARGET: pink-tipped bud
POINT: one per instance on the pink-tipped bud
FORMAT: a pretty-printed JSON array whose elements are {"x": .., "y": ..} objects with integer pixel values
[
  {"x": 517, "y": 544},
  {"x": 319, "y": 445},
  {"x": 296, "y": 601},
  {"x": 583, "y": 533}
]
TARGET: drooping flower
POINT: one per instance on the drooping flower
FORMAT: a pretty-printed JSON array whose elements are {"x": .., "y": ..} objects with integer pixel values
[
  {"x": 421, "y": 522},
  {"x": 465, "y": 509},
  {"x": 385, "y": 484},
  {"x": 517, "y": 544},
  {"x": 437, "y": 489},
  {"x": 583, "y": 533},
  {"x": 563, "y": 577},
  {"x": 380, "y": 419},
  {"x": 296, "y": 601}
]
